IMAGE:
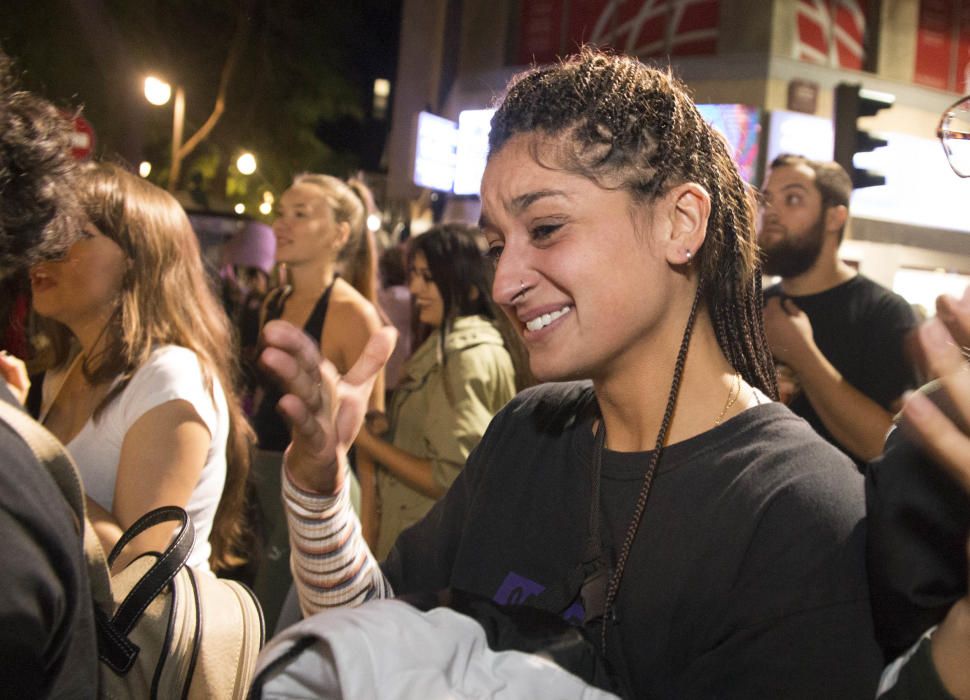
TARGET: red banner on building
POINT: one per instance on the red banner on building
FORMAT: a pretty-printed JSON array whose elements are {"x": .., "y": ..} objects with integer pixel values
[
  {"x": 643, "y": 28},
  {"x": 934, "y": 44},
  {"x": 539, "y": 31},
  {"x": 961, "y": 74},
  {"x": 831, "y": 32}
]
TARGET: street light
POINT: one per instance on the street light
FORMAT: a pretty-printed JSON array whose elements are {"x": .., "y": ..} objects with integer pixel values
[
  {"x": 246, "y": 163},
  {"x": 158, "y": 92}
]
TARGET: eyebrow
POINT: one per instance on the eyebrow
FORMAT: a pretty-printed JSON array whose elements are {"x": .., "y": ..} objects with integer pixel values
[
  {"x": 523, "y": 202},
  {"x": 792, "y": 186}
]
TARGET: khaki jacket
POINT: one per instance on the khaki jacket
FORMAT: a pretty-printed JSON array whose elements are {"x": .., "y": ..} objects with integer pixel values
[{"x": 427, "y": 423}]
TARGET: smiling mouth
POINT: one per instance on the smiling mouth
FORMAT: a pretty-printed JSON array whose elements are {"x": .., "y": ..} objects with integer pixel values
[{"x": 540, "y": 322}]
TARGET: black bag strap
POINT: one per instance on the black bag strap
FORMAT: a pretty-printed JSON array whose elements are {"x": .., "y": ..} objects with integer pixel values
[
  {"x": 114, "y": 647},
  {"x": 162, "y": 571}
]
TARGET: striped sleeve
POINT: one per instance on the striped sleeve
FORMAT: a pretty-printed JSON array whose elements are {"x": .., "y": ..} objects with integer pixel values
[{"x": 332, "y": 565}]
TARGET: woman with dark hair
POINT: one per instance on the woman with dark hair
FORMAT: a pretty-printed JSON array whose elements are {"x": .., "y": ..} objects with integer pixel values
[
  {"x": 453, "y": 383},
  {"x": 707, "y": 540},
  {"x": 141, "y": 390}
]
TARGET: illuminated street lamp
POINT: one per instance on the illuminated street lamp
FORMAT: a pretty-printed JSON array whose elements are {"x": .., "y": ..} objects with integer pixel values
[
  {"x": 158, "y": 92},
  {"x": 246, "y": 163}
]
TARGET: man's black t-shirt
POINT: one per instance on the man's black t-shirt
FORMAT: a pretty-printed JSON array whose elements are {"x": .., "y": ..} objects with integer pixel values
[
  {"x": 746, "y": 579},
  {"x": 861, "y": 328}
]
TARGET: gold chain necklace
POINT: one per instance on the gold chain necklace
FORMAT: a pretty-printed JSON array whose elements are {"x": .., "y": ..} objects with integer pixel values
[{"x": 734, "y": 394}]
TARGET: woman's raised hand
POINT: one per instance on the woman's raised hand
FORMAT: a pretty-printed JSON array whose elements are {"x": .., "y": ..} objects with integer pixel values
[
  {"x": 947, "y": 439},
  {"x": 14, "y": 372},
  {"x": 943, "y": 341},
  {"x": 325, "y": 410}
]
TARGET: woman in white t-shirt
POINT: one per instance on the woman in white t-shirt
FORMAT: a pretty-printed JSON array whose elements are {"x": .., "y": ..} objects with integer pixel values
[{"x": 141, "y": 387}]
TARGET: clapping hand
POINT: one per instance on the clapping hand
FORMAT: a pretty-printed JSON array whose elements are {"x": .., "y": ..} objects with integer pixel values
[
  {"x": 324, "y": 409},
  {"x": 14, "y": 372},
  {"x": 947, "y": 438},
  {"x": 944, "y": 340}
]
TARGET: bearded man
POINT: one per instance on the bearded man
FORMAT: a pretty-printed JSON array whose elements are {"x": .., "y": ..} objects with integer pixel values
[{"x": 839, "y": 338}]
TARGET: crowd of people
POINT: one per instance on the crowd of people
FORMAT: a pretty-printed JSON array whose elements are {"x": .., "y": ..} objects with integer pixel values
[{"x": 731, "y": 491}]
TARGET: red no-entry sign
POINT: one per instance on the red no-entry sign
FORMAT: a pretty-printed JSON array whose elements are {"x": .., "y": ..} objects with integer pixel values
[{"x": 82, "y": 138}]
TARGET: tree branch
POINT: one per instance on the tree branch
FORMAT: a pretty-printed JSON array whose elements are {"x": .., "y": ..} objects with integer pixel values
[{"x": 228, "y": 68}]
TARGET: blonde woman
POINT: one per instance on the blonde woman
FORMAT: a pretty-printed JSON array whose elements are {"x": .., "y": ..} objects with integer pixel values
[{"x": 317, "y": 218}]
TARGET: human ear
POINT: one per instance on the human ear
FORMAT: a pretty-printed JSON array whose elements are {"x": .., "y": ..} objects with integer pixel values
[
  {"x": 835, "y": 218},
  {"x": 343, "y": 233},
  {"x": 688, "y": 209}
]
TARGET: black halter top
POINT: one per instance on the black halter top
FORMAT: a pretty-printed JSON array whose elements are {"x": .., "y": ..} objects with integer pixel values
[{"x": 272, "y": 431}]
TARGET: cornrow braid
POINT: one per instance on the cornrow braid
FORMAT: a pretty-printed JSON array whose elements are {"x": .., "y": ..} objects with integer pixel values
[{"x": 635, "y": 128}]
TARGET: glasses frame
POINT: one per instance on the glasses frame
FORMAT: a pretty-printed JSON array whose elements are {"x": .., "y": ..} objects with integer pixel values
[{"x": 945, "y": 135}]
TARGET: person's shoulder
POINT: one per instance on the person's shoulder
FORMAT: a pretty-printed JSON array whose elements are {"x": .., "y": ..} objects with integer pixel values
[
  {"x": 469, "y": 332},
  {"x": 773, "y": 290},
  {"x": 170, "y": 363},
  {"x": 170, "y": 372},
  {"x": 537, "y": 418},
  {"x": 884, "y": 302},
  {"x": 874, "y": 290},
  {"x": 782, "y": 444},
  {"x": 350, "y": 309},
  {"x": 31, "y": 495},
  {"x": 551, "y": 407},
  {"x": 781, "y": 469}
]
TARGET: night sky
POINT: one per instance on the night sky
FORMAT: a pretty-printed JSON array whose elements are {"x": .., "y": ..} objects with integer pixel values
[{"x": 299, "y": 97}]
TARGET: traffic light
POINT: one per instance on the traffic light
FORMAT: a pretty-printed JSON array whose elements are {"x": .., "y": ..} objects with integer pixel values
[{"x": 852, "y": 103}]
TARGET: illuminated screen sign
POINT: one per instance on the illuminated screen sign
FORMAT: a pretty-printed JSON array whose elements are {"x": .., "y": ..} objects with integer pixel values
[
  {"x": 741, "y": 126},
  {"x": 434, "y": 154},
  {"x": 474, "y": 126},
  {"x": 800, "y": 134}
]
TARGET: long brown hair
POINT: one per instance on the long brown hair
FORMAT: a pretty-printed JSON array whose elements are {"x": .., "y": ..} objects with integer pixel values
[{"x": 165, "y": 299}]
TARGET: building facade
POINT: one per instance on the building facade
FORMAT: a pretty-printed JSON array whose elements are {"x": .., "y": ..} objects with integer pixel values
[{"x": 769, "y": 66}]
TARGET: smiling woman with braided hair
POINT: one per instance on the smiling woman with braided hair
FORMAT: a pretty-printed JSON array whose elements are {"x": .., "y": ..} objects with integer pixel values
[{"x": 707, "y": 541}]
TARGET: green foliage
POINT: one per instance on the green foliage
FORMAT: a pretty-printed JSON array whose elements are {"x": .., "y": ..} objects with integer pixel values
[{"x": 306, "y": 65}]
